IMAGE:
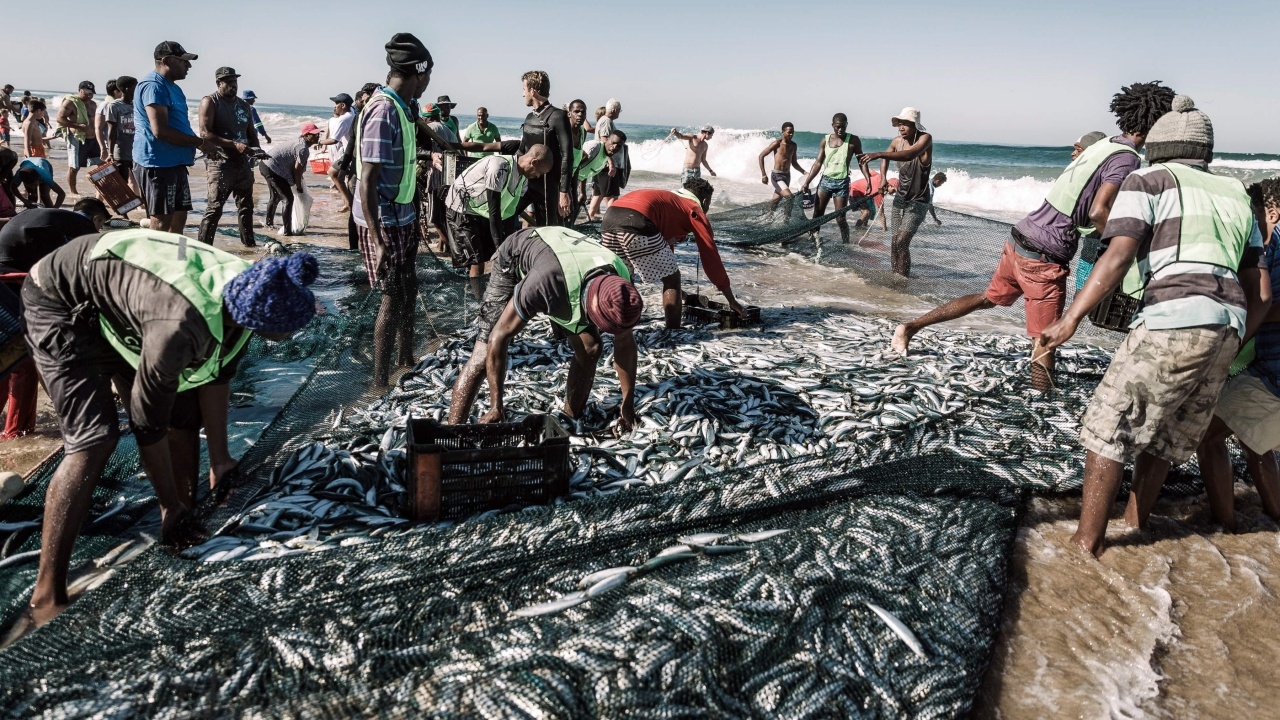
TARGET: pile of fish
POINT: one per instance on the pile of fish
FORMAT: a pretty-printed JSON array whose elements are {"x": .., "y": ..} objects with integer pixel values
[{"x": 805, "y": 384}]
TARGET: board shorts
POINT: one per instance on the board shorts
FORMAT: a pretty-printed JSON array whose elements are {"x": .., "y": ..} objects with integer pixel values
[
  {"x": 1252, "y": 412},
  {"x": 689, "y": 174},
  {"x": 401, "y": 250},
  {"x": 649, "y": 257},
  {"x": 907, "y": 216},
  {"x": 78, "y": 366},
  {"x": 780, "y": 181},
  {"x": 834, "y": 187},
  {"x": 165, "y": 191},
  {"x": 470, "y": 241},
  {"x": 1043, "y": 284},
  {"x": 82, "y": 154},
  {"x": 605, "y": 185},
  {"x": 1159, "y": 394}
]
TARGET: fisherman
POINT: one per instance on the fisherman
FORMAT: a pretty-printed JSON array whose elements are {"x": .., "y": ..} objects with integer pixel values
[
  {"x": 1249, "y": 406},
  {"x": 480, "y": 208},
  {"x": 23, "y": 242},
  {"x": 913, "y": 151},
  {"x": 336, "y": 138},
  {"x": 597, "y": 159},
  {"x": 226, "y": 121},
  {"x": 784, "y": 158},
  {"x": 1036, "y": 258},
  {"x": 834, "y": 156},
  {"x": 385, "y": 207},
  {"x": 582, "y": 288},
  {"x": 481, "y": 131},
  {"x": 161, "y": 316},
  {"x": 76, "y": 117},
  {"x": 119, "y": 132},
  {"x": 695, "y": 156},
  {"x": 1203, "y": 286},
  {"x": 577, "y": 112},
  {"x": 33, "y": 182},
  {"x": 251, "y": 97},
  {"x": 347, "y": 163},
  {"x": 643, "y": 227},
  {"x": 1085, "y": 142},
  {"x": 446, "y": 107},
  {"x": 547, "y": 125},
  {"x": 283, "y": 168}
]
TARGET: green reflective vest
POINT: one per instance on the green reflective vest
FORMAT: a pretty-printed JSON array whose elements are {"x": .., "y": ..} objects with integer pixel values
[
  {"x": 594, "y": 163},
  {"x": 577, "y": 150},
  {"x": 1066, "y": 190},
  {"x": 836, "y": 164},
  {"x": 197, "y": 271},
  {"x": 511, "y": 191},
  {"x": 1216, "y": 223},
  {"x": 407, "y": 186},
  {"x": 579, "y": 257}
]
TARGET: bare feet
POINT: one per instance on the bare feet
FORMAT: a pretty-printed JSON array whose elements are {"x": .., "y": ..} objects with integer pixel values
[
  {"x": 1092, "y": 547},
  {"x": 25, "y": 623},
  {"x": 902, "y": 338}
]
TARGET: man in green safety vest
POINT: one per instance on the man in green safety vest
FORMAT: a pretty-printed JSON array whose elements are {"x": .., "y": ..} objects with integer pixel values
[
  {"x": 481, "y": 205},
  {"x": 594, "y": 162},
  {"x": 165, "y": 318},
  {"x": 1036, "y": 258},
  {"x": 1191, "y": 240},
  {"x": 581, "y": 287},
  {"x": 835, "y": 155}
]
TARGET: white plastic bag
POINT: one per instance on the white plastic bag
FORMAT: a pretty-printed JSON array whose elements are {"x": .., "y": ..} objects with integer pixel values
[{"x": 301, "y": 211}]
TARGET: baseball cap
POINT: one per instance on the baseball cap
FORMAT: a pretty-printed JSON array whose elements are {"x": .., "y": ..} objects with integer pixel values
[
  {"x": 309, "y": 129},
  {"x": 87, "y": 85},
  {"x": 708, "y": 130},
  {"x": 172, "y": 48},
  {"x": 225, "y": 72},
  {"x": 343, "y": 98},
  {"x": 249, "y": 95}
]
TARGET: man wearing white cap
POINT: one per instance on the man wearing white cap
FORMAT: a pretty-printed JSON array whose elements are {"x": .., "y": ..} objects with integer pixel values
[{"x": 913, "y": 151}]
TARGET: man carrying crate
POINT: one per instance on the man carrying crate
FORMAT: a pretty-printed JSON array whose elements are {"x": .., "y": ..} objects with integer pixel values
[{"x": 580, "y": 286}]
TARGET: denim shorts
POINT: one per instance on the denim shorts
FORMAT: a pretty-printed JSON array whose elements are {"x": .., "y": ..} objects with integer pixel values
[{"x": 833, "y": 187}]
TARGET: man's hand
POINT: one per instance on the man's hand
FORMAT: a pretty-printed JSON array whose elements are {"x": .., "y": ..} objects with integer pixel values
[
  {"x": 612, "y": 171},
  {"x": 712, "y": 172},
  {"x": 495, "y": 415},
  {"x": 241, "y": 148},
  {"x": 764, "y": 179},
  {"x": 939, "y": 222},
  {"x": 736, "y": 306},
  {"x": 268, "y": 139},
  {"x": 865, "y": 158},
  {"x": 627, "y": 419},
  {"x": 1058, "y": 333},
  {"x": 566, "y": 204}
]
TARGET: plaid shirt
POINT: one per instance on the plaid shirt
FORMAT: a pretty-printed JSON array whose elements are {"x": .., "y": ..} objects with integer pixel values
[{"x": 382, "y": 142}]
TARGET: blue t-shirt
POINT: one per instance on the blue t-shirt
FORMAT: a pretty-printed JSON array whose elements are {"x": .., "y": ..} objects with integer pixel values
[{"x": 148, "y": 151}]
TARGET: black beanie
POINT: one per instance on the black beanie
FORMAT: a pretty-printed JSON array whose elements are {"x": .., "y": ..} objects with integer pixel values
[{"x": 406, "y": 52}]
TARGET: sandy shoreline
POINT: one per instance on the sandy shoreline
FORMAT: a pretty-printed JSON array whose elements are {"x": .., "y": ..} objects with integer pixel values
[{"x": 1177, "y": 622}]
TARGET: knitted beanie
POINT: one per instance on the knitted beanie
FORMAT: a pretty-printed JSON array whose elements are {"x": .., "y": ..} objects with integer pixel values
[
  {"x": 613, "y": 304},
  {"x": 406, "y": 52},
  {"x": 1182, "y": 133},
  {"x": 272, "y": 295}
]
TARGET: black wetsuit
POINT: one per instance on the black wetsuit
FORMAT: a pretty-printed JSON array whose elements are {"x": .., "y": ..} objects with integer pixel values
[{"x": 548, "y": 126}]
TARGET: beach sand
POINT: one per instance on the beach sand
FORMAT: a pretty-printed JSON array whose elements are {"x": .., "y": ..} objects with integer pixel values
[{"x": 1178, "y": 622}]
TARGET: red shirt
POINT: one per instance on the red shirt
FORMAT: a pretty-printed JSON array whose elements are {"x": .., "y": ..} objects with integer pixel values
[
  {"x": 676, "y": 216},
  {"x": 858, "y": 190}
]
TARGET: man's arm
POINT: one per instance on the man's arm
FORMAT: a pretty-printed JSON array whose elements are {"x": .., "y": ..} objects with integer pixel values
[
  {"x": 111, "y": 136},
  {"x": 100, "y": 130},
  {"x": 855, "y": 149},
  {"x": 1100, "y": 210},
  {"x": 158, "y": 116},
  {"x": 934, "y": 213},
  {"x": 676, "y": 133},
  {"x": 56, "y": 189},
  {"x": 435, "y": 136},
  {"x": 911, "y": 152},
  {"x": 494, "y": 200},
  {"x": 214, "y": 408},
  {"x": 1256, "y": 282},
  {"x": 67, "y": 116},
  {"x": 706, "y": 164},
  {"x": 795, "y": 158},
  {"x": 205, "y": 119},
  {"x": 772, "y": 147},
  {"x": 1106, "y": 276},
  {"x": 508, "y": 326},
  {"x": 299, "y": 171},
  {"x": 625, "y": 356},
  {"x": 817, "y": 164},
  {"x": 564, "y": 136}
]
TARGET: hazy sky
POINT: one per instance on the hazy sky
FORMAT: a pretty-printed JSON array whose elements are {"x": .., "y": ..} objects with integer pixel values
[{"x": 1011, "y": 72}]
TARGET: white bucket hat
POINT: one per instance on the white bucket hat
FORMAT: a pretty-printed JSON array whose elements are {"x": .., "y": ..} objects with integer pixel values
[{"x": 911, "y": 115}]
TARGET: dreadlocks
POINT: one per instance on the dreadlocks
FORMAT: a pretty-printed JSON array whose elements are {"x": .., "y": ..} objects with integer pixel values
[{"x": 1138, "y": 106}]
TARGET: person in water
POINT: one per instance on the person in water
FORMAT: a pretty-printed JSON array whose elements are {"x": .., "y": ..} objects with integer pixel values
[
  {"x": 913, "y": 151},
  {"x": 784, "y": 158},
  {"x": 1035, "y": 261},
  {"x": 834, "y": 155},
  {"x": 695, "y": 157}
]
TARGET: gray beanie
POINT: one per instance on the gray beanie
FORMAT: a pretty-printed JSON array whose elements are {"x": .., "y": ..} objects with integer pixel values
[{"x": 1182, "y": 133}]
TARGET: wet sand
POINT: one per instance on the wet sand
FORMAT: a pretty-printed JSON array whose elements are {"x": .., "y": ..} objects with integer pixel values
[{"x": 1180, "y": 622}]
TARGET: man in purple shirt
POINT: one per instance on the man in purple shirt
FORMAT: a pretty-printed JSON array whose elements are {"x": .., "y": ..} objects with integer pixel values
[{"x": 1035, "y": 261}]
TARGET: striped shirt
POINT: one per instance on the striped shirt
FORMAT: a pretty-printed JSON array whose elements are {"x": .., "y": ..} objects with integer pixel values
[
  {"x": 381, "y": 142},
  {"x": 1179, "y": 294}
]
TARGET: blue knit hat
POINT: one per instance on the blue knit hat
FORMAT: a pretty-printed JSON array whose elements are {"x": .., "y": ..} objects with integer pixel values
[{"x": 272, "y": 295}]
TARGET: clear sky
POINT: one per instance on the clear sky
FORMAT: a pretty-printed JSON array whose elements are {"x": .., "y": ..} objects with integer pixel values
[{"x": 995, "y": 71}]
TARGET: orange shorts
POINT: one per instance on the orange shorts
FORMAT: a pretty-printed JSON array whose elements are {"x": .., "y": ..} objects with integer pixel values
[{"x": 1044, "y": 284}]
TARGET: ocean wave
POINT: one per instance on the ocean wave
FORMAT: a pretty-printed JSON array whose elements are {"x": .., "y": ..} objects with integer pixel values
[
  {"x": 1247, "y": 164},
  {"x": 1005, "y": 198},
  {"x": 733, "y": 153}
]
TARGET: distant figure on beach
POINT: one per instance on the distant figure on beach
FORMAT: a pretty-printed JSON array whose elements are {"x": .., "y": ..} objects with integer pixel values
[
  {"x": 1035, "y": 261},
  {"x": 1189, "y": 242},
  {"x": 596, "y": 158},
  {"x": 100, "y": 118},
  {"x": 481, "y": 131},
  {"x": 1085, "y": 142},
  {"x": 251, "y": 97},
  {"x": 612, "y": 178},
  {"x": 695, "y": 157},
  {"x": 913, "y": 151},
  {"x": 347, "y": 162},
  {"x": 7, "y": 108},
  {"x": 335, "y": 141},
  {"x": 226, "y": 121},
  {"x": 284, "y": 168},
  {"x": 76, "y": 117},
  {"x": 34, "y": 143},
  {"x": 164, "y": 145},
  {"x": 835, "y": 154},
  {"x": 549, "y": 197},
  {"x": 784, "y": 158},
  {"x": 446, "y": 107},
  {"x": 120, "y": 131}
]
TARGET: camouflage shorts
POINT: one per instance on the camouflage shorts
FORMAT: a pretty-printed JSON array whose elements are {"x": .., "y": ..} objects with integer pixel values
[{"x": 1159, "y": 394}]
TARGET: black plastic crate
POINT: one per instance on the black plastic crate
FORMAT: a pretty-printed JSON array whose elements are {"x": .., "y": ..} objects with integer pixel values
[
  {"x": 459, "y": 470},
  {"x": 1115, "y": 312},
  {"x": 702, "y": 310}
]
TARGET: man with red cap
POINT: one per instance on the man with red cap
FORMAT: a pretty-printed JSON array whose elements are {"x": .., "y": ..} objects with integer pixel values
[{"x": 578, "y": 285}]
